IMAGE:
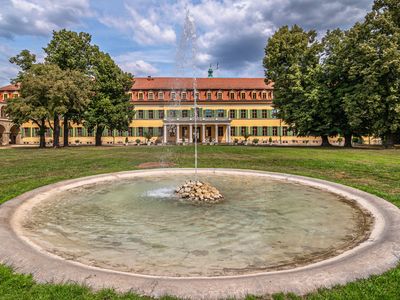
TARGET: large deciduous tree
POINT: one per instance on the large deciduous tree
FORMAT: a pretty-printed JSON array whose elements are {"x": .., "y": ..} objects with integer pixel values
[
  {"x": 374, "y": 67},
  {"x": 110, "y": 105},
  {"x": 292, "y": 64},
  {"x": 71, "y": 51}
]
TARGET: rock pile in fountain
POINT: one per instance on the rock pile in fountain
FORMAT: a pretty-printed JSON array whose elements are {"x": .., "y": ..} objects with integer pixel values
[{"x": 198, "y": 192}]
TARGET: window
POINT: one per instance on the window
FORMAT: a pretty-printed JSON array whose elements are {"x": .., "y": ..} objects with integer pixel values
[
  {"x": 243, "y": 114},
  {"x": 275, "y": 131},
  {"x": 160, "y": 131},
  {"x": 79, "y": 131},
  {"x": 161, "y": 114},
  {"x": 196, "y": 95},
  {"x": 150, "y": 96},
  {"x": 197, "y": 112},
  {"x": 131, "y": 131},
  {"x": 110, "y": 132},
  {"x": 232, "y": 95},
  {"x": 183, "y": 96},
  {"x": 208, "y": 113},
  {"x": 254, "y": 95},
  {"x": 219, "y": 96},
  {"x": 233, "y": 131},
  {"x": 232, "y": 114},
  {"x": 173, "y": 96},
  {"x": 254, "y": 131},
  {"x": 130, "y": 95},
  {"x": 284, "y": 131},
  {"x": 140, "y": 131},
  {"x": 35, "y": 132},
  {"x": 26, "y": 132},
  {"x": 208, "y": 95},
  {"x": 150, "y": 131},
  {"x": 242, "y": 95},
  {"x": 243, "y": 131},
  {"x": 220, "y": 113},
  {"x": 265, "y": 131},
  {"x": 274, "y": 113},
  {"x": 264, "y": 95},
  {"x": 185, "y": 113},
  {"x": 264, "y": 114},
  {"x": 90, "y": 132},
  {"x": 151, "y": 114},
  {"x": 120, "y": 133},
  {"x": 220, "y": 131},
  {"x": 172, "y": 113},
  {"x": 140, "y": 114},
  {"x": 270, "y": 95},
  {"x": 254, "y": 113},
  {"x": 160, "y": 96},
  {"x": 140, "y": 96},
  {"x": 5, "y": 96},
  {"x": 15, "y": 95}
]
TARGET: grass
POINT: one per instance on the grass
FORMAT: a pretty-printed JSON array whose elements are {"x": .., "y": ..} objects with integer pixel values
[{"x": 374, "y": 171}]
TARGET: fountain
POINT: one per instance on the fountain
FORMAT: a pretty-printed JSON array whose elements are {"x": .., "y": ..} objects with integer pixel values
[{"x": 196, "y": 192}]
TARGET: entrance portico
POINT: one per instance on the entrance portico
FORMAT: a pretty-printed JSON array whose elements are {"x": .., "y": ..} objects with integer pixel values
[{"x": 205, "y": 131}]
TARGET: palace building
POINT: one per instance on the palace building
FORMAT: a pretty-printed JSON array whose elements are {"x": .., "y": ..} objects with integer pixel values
[{"x": 228, "y": 110}]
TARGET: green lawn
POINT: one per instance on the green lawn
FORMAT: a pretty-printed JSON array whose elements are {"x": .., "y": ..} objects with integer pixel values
[{"x": 374, "y": 171}]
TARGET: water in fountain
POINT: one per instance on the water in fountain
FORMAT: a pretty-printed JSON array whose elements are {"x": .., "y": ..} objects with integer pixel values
[{"x": 186, "y": 66}]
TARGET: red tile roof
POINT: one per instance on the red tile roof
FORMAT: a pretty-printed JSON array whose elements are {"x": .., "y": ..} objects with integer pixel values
[
  {"x": 166, "y": 83},
  {"x": 10, "y": 88}
]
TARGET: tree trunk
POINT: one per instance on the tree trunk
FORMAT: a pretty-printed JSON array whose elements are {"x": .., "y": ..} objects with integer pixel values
[
  {"x": 348, "y": 140},
  {"x": 56, "y": 131},
  {"x": 389, "y": 140},
  {"x": 99, "y": 133},
  {"x": 66, "y": 131},
  {"x": 325, "y": 141},
  {"x": 42, "y": 132}
]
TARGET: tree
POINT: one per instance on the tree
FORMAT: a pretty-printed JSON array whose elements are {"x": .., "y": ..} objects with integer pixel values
[
  {"x": 110, "y": 105},
  {"x": 25, "y": 59},
  {"x": 335, "y": 82},
  {"x": 374, "y": 68},
  {"x": 35, "y": 99},
  {"x": 71, "y": 51},
  {"x": 292, "y": 64}
]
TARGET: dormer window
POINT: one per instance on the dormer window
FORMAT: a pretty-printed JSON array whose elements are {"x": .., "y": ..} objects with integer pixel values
[
  {"x": 160, "y": 95},
  {"x": 219, "y": 95},
  {"x": 130, "y": 95},
  {"x": 232, "y": 95},
  {"x": 254, "y": 95},
  {"x": 242, "y": 96},
  {"x": 140, "y": 95},
  {"x": 15, "y": 95},
  {"x": 183, "y": 96},
  {"x": 150, "y": 96},
  {"x": 264, "y": 95},
  {"x": 5, "y": 96},
  {"x": 173, "y": 95},
  {"x": 208, "y": 95}
]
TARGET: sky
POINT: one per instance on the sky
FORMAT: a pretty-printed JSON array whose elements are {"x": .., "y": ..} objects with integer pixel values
[{"x": 142, "y": 35}]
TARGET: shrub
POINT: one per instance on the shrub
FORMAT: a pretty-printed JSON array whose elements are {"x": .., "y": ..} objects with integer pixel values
[
  {"x": 137, "y": 141},
  {"x": 255, "y": 141}
]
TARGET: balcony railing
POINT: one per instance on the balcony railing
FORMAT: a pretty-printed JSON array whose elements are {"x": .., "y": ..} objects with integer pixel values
[{"x": 198, "y": 119}]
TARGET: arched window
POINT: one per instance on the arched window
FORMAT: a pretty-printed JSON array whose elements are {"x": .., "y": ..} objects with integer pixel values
[
  {"x": 254, "y": 95},
  {"x": 140, "y": 96},
  {"x": 232, "y": 95},
  {"x": 160, "y": 96},
  {"x": 208, "y": 95},
  {"x": 150, "y": 96},
  {"x": 242, "y": 96},
  {"x": 219, "y": 95},
  {"x": 264, "y": 95}
]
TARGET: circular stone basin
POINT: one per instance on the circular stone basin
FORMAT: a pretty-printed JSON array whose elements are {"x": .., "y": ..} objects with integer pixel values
[
  {"x": 139, "y": 225},
  {"x": 273, "y": 233}
]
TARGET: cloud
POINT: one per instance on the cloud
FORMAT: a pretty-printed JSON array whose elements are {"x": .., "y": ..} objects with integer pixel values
[
  {"x": 40, "y": 17},
  {"x": 145, "y": 26},
  {"x": 140, "y": 63}
]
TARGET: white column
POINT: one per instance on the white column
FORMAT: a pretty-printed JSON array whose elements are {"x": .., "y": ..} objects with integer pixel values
[
  {"x": 203, "y": 127},
  {"x": 165, "y": 133},
  {"x": 177, "y": 133},
  {"x": 228, "y": 134},
  {"x": 216, "y": 133},
  {"x": 190, "y": 133}
]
